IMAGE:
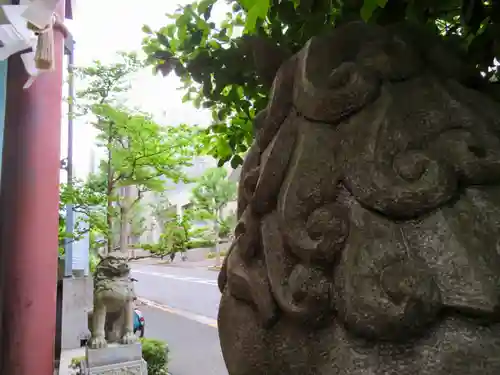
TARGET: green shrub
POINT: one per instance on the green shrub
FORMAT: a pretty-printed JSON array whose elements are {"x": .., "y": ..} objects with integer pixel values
[
  {"x": 211, "y": 254},
  {"x": 195, "y": 244},
  {"x": 155, "y": 353},
  {"x": 76, "y": 365},
  {"x": 76, "y": 362},
  {"x": 146, "y": 246}
]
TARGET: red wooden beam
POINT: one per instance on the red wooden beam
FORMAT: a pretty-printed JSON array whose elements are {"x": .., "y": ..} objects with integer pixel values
[{"x": 29, "y": 204}]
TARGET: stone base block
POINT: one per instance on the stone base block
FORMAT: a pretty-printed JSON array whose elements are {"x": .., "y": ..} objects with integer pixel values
[
  {"x": 115, "y": 360},
  {"x": 126, "y": 368}
]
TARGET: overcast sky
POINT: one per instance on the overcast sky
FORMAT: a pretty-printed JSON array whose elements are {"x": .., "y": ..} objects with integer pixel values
[{"x": 103, "y": 27}]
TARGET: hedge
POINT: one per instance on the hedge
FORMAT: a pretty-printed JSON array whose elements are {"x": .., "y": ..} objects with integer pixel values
[{"x": 155, "y": 353}]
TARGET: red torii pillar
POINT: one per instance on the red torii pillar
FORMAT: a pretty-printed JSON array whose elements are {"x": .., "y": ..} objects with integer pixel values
[{"x": 29, "y": 204}]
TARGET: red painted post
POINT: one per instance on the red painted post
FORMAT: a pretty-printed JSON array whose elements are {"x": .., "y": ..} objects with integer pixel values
[{"x": 29, "y": 218}]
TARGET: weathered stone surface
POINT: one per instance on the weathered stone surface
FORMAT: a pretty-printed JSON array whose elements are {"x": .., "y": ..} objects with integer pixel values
[
  {"x": 138, "y": 367},
  {"x": 113, "y": 353},
  {"x": 115, "y": 359},
  {"x": 369, "y": 208},
  {"x": 112, "y": 316}
]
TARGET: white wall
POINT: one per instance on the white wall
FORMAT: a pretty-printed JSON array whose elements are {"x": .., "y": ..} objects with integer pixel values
[
  {"x": 81, "y": 247},
  {"x": 230, "y": 208},
  {"x": 180, "y": 198}
]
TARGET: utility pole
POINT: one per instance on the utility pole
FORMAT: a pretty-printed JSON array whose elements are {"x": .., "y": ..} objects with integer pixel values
[{"x": 70, "y": 217}]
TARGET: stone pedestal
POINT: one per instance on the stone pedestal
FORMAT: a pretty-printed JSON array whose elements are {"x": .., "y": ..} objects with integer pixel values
[{"x": 115, "y": 360}]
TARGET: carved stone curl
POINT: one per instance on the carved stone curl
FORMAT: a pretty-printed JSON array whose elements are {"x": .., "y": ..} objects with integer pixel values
[
  {"x": 112, "y": 317},
  {"x": 369, "y": 210}
]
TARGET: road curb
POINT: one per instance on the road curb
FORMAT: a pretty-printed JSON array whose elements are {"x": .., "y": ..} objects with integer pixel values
[{"x": 185, "y": 314}]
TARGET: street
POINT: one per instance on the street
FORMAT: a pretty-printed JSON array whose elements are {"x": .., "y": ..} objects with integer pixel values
[{"x": 180, "y": 307}]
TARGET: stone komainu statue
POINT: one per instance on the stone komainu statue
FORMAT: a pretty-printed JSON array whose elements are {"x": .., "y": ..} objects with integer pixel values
[
  {"x": 369, "y": 215},
  {"x": 112, "y": 318}
]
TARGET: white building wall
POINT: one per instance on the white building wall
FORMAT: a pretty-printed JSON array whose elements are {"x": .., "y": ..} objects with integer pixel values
[
  {"x": 230, "y": 208},
  {"x": 94, "y": 161},
  {"x": 81, "y": 247}
]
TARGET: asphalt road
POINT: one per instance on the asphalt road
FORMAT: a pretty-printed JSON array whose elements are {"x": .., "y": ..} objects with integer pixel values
[
  {"x": 190, "y": 289},
  {"x": 181, "y": 309}
]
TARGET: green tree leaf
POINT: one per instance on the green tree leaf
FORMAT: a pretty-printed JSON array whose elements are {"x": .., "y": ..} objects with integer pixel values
[
  {"x": 146, "y": 29},
  {"x": 220, "y": 70},
  {"x": 257, "y": 9},
  {"x": 236, "y": 161},
  {"x": 369, "y": 6}
]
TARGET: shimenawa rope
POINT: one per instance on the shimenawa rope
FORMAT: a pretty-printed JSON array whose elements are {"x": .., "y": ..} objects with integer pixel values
[{"x": 44, "y": 53}]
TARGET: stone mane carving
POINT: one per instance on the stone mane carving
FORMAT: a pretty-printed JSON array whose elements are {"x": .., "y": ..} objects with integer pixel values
[
  {"x": 112, "y": 318},
  {"x": 369, "y": 215}
]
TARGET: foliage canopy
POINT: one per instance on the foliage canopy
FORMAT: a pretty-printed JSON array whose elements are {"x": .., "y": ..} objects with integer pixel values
[
  {"x": 88, "y": 200},
  {"x": 139, "y": 152},
  {"x": 211, "y": 194},
  {"x": 228, "y": 65}
]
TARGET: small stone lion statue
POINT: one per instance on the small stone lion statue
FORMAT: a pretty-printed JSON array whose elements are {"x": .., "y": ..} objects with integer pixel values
[{"x": 112, "y": 318}]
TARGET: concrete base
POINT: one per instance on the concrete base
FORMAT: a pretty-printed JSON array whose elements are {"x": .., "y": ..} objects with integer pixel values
[
  {"x": 77, "y": 302},
  {"x": 115, "y": 360}
]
